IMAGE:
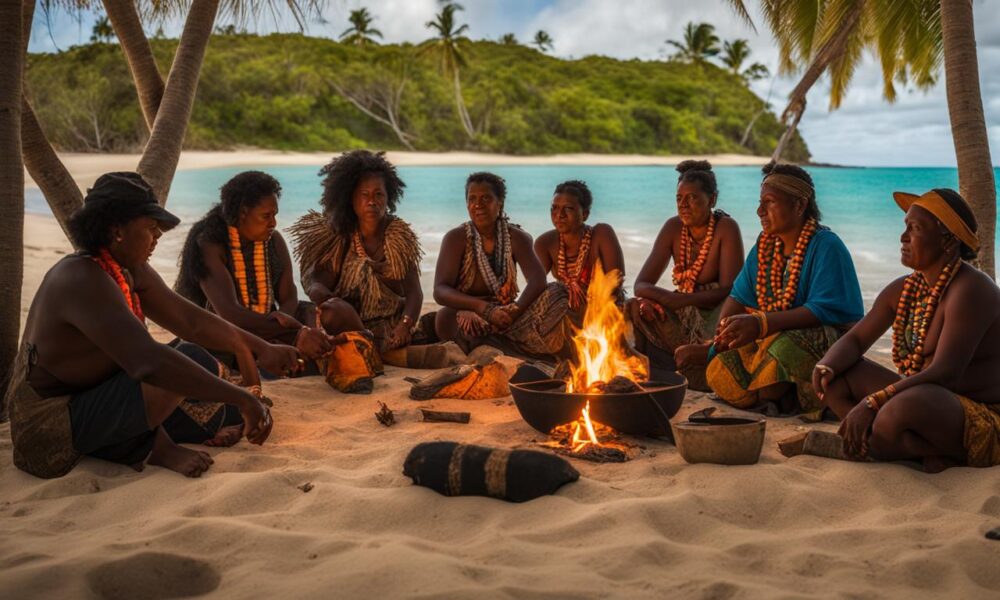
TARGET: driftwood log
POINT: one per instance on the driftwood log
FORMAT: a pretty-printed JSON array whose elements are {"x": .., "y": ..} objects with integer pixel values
[{"x": 440, "y": 416}]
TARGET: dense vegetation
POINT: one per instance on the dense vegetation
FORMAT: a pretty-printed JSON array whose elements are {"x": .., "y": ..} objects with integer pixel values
[{"x": 291, "y": 92}]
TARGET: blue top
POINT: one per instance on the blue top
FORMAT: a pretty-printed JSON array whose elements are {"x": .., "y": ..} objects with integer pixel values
[{"x": 828, "y": 286}]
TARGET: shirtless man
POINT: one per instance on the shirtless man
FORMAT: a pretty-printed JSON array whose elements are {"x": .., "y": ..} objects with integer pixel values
[
  {"x": 474, "y": 308},
  {"x": 943, "y": 405},
  {"x": 90, "y": 380}
]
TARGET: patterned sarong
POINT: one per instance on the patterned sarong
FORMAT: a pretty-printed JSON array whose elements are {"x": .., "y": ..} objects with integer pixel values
[
  {"x": 982, "y": 433},
  {"x": 543, "y": 330},
  {"x": 785, "y": 357},
  {"x": 689, "y": 325}
]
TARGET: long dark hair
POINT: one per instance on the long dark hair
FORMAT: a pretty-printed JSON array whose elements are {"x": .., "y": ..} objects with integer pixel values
[{"x": 245, "y": 190}]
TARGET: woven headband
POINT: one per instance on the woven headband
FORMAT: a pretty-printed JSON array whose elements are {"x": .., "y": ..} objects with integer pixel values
[
  {"x": 935, "y": 204},
  {"x": 788, "y": 184}
]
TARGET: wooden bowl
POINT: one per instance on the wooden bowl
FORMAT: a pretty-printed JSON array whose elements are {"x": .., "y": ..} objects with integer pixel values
[{"x": 737, "y": 441}]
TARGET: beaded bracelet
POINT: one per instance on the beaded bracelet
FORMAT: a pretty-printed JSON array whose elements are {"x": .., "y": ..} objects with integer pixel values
[{"x": 761, "y": 323}]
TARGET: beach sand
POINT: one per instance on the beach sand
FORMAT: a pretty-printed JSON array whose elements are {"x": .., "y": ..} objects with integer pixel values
[
  {"x": 653, "y": 527},
  {"x": 85, "y": 168}
]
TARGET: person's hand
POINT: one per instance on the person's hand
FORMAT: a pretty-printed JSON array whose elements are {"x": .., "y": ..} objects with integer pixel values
[
  {"x": 674, "y": 300},
  {"x": 691, "y": 355},
  {"x": 313, "y": 343},
  {"x": 471, "y": 324},
  {"x": 855, "y": 429},
  {"x": 285, "y": 320},
  {"x": 503, "y": 317},
  {"x": 737, "y": 331},
  {"x": 280, "y": 359},
  {"x": 257, "y": 420},
  {"x": 822, "y": 375},
  {"x": 399, "y": 337},
  {"x": 650, "y": 310}
]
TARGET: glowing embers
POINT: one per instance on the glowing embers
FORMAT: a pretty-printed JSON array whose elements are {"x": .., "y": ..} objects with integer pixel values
[{"x": 590, "y": 440}]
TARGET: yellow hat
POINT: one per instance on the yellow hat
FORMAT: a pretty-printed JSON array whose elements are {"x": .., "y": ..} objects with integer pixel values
[{"x": 942, "y": 208}]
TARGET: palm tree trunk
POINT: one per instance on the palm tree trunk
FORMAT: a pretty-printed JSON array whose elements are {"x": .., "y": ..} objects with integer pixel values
[
  {"x": 11, "y": 185},
  {"x": 163, "y": 150},
  {"x": 968, "y": 126},
  {"x": 832, "y": 49},
  {"x": 45, "y": 168},
  {"x": 463, "y": 114},
  {"x": 148, "y": 82}
]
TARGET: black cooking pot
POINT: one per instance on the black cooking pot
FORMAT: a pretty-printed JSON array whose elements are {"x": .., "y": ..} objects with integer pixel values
[{"x": 544, "y": 404}]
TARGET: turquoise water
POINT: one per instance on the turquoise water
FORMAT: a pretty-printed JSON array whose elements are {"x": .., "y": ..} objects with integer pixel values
[{"x": 856, "y": 203}]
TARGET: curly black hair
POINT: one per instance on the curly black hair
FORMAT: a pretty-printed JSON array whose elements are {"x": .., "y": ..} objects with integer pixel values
[
  {"x": 812, "y": 208},
  {"x": 579, "y": 190},
  {"x": 964, "y": 212},
  {"x": 90, "y": 227},
  {"x": 698, "y": 171},
  {"x": 245, "y": 190},
  {"x": 491, "y": 179},
  {"x": 342, "y": 175}
]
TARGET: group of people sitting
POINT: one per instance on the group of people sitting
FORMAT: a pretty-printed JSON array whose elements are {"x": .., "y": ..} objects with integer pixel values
[{"x": 783, "y": 328}]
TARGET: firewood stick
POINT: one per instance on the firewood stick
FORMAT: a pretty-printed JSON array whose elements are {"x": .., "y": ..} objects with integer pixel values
[{"x": 440, "y": 416}]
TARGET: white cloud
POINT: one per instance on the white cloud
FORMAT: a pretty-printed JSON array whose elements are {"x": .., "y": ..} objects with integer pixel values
[{"x": 865, "y": 130}]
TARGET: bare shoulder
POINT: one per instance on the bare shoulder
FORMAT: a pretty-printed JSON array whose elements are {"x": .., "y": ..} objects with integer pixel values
[
  {"x": 728, "y": 226},
  {"x": 520, "y": 236},
  {"x": 604, "y": 231},
  {"x": 549, "y": 237},
  {"x": 454, "y": 236},
  {"x": 72, "y": 272},
  {"x": 975, "y": 284}
]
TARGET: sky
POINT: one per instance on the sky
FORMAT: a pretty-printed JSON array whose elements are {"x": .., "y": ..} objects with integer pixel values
[{"x": 864, "y": 131}]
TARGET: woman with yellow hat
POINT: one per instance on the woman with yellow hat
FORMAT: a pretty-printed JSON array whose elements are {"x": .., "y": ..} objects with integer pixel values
[{"x": 942, "y": 404}]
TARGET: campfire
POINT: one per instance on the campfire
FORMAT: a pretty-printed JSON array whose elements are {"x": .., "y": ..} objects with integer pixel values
[{"x": 604, "y": 364}]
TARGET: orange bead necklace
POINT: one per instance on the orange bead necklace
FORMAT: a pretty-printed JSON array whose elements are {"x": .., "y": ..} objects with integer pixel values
[
  {"x": 914, "y": 313},
  {"x": 114, "y": 269},
  {"x": 686, "y": 273},
  {"x": 262, "y": 299},
  {"x": 576, "y": 277},
  {"x": 772, "y": 295}
]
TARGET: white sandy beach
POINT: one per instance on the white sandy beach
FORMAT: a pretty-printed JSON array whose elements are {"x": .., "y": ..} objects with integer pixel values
[
  {"x": 85, "y": 168},
  {"x": 653, "y": 527}
]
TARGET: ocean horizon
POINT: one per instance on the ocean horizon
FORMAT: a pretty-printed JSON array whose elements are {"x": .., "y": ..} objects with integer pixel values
[{"x": 856, "y": 203}]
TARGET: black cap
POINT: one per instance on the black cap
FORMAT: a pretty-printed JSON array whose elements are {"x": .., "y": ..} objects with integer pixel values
[{"x": 130, "y": 197}]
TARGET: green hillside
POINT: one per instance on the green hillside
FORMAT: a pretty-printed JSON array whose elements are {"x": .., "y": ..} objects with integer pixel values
[{"x": 287, "y": 92}]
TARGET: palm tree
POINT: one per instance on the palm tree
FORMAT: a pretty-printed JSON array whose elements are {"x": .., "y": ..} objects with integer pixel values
[
  {"x": 542, "y": 41},
  {"x": 12, "y": 49},
  {"x": 359, "y": 33},
  {"x": 448, "y": 48},
  {"x": 968, "y": 126},
  {"x": 909, "y": 40},
  {"x": 43, "y": 163},
  {"x": 102, "y": 31},
  {"x": 508, "y": 39},
  {"x": 699, "y": 44},
  {"x": 734, "y": 54}
]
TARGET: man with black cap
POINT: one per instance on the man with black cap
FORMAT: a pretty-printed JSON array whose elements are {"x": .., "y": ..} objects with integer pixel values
[
  {"x": 942, "y": 404},
  {"x": 90, "y": 380}
]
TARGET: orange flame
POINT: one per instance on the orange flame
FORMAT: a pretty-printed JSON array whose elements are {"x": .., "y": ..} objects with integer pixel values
[
  {"x": 578, "y": 442},
  {"x": 600, "y": 345}
]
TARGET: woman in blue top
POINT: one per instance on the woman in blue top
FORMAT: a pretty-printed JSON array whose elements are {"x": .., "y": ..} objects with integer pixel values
[{"x": 797, "y": 293}]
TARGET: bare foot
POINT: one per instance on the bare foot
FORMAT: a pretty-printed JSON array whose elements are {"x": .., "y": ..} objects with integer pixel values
[
  {"x": 936, "y": 464},
  {"x": 225, "y": 437},
  {"x": 167, "y": 454}
]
